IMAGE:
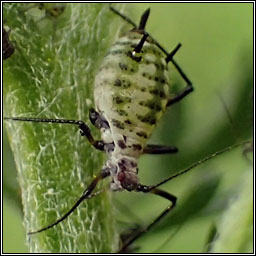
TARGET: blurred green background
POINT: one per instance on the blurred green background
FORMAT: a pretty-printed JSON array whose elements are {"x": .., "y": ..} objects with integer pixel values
[{"x": 217, "y": 55}]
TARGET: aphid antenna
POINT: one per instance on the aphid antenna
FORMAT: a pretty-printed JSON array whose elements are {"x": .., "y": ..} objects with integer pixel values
[{"x": 200, "y": 162}]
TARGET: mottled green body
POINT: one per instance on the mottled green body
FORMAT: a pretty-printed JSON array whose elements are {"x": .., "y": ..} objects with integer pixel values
[{"x": 131, "y": 95}]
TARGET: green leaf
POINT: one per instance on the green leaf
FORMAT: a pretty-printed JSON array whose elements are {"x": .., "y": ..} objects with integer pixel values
[
  {"x": 235, "y": 230},
  {"x": 51, "y": 75}
]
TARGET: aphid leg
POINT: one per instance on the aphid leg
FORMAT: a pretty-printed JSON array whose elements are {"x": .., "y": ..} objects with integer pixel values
[
  {"x": 189, "y": 88},
  {"x": 86, "y": 195},
  {"x": 84, "y": 129},
  {"x": 143, "y": 19},
  {"x": 97, "y": 120},
  {"x": 164, "y": 194},
  {"x": 159, "y": 149},
  {"x": 122, "y": 16},
  {"x": 128, "y": 234}
]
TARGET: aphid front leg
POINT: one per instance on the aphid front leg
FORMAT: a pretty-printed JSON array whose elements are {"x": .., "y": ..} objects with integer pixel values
[
  {"x": 189, "y": 88},
  {"x": 159, "y": 192},
  {"x": 85, "y": 131},
  {"x": 101, "y": 123}
]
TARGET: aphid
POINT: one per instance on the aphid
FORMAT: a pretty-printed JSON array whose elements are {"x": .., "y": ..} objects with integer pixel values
[
  {"x": 8, "y": 48},
  {"x": 45, "y": 11},
  {"x": 52, "y": 10},
  {"x": 131, "y": 94}
]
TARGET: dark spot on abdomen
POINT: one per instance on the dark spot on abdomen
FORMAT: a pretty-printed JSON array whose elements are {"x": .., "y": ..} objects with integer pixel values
[
  {"x": 150, "y": 119},
  {"x": 118, "y": 100},
  {"x": 118, "y": 82},
  {"x": 121, "y": 144},
  {"x": 127, "y": 121},
  {"x": 157, "y": 92},
  {"x": 122, "y": 66},
  {"x": 142, "y": 134},
  {"x": 118, "y": 124},
  {"x": 123, "y": 84}
]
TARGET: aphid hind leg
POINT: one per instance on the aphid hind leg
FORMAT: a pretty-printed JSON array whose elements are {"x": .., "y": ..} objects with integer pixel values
[
  {"x": 159, "y": 192},
  {"x": 84, "y": 129},
  {"x": 189, "y": 87},
  {"x": 126, "y": 236},
  {"x": 159, "y": 149}
]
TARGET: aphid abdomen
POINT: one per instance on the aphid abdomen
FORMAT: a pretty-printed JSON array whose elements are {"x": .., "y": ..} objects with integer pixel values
[{"x": 131, "y": 92}]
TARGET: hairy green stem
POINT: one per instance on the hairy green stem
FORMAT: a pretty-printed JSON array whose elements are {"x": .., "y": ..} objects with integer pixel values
[{"x": 51, "y": 75}]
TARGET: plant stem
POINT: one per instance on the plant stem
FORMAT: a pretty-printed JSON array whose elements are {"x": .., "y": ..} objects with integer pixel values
[{"x": 51, "y": 75}]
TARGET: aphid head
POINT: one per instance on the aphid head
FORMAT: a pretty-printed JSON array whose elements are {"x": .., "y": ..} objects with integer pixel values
[{"x": 127, "y": 173}]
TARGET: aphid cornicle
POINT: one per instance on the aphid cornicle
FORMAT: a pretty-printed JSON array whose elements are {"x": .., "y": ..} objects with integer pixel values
[{"x": 131, "y": 94}]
